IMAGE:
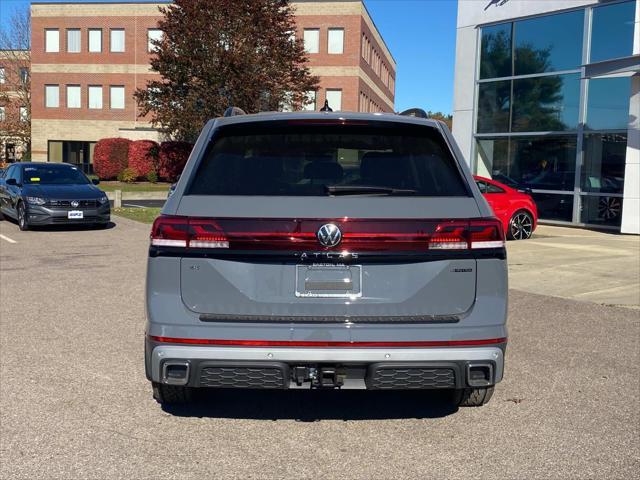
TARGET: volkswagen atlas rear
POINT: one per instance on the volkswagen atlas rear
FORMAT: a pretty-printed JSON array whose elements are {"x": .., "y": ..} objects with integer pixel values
[{"x": 326, "y": 250}]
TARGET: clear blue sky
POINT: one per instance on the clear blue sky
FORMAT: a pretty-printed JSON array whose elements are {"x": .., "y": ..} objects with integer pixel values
[{"x": 421, "y": 35}]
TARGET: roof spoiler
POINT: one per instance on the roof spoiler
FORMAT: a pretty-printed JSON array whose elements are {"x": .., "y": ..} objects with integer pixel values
[
  {"x": 415, "y": 112},
  {"x": 233, "y": 111}
]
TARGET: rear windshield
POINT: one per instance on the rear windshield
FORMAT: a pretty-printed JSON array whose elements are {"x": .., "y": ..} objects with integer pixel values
[{"x": 306, "y": 159}]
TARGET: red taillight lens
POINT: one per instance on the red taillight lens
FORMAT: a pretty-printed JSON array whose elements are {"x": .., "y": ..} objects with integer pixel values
[
  {"x": 486, "y": 234},
  {"x": 185, "y": 232},
  {"x": 170, "y": 232},
  {"x": 358, "y": 235}
]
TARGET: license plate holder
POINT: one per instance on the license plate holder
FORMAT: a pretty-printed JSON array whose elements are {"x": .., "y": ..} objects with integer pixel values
[
  {"x": 328, "y": 281},
  {"x": 75, "y": 214}
]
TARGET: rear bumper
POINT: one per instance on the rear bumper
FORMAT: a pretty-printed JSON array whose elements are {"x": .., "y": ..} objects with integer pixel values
[{"x": 373, "y": 368}]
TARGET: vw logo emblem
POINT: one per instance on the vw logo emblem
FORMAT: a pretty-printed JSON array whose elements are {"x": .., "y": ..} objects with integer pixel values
[
  {"x": 74, "y": 203},
  {"x": 329, "y": 235}
]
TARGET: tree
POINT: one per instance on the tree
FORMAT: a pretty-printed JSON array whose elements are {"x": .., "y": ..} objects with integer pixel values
[
  {"x": 220, "y": 53},
  {"x": 445, "y": 117},
  {"x": 15, "y": 92}
]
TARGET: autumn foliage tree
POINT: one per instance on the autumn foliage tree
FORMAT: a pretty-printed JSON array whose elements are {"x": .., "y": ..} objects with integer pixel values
[{"x": 220, "y": 53}]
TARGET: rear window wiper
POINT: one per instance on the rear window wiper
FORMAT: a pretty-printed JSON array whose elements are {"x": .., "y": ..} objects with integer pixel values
[{"x": 367, "y": 190}]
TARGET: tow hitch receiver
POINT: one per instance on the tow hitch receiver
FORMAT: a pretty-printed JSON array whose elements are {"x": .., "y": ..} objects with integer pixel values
[{"x": 329, "y": 377}]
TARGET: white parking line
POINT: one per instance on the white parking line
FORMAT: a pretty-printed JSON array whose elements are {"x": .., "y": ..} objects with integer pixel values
[{"x": 7, "y": 239}]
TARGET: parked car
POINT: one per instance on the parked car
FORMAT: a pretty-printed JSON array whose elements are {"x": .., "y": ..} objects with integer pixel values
[
  {"x": 326, "y": 250},
  {"x": 51, "y": 193},
  {"x": 516, "y": 210}
]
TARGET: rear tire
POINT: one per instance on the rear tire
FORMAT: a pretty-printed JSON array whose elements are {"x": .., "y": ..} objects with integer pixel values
[
  {"x": 520, "y": 226},
  {"x": 171, "y": 394},
  {"x": 23, "y": 224},
  {"x": 472, "y": 397}
]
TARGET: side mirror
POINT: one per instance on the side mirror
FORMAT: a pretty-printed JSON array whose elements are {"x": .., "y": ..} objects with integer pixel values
[
  {"x": 95, "y": 181},
  {"x": 11, "y": 181}
]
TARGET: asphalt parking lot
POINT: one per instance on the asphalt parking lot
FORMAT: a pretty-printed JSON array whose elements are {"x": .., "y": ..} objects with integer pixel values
[{"x": 74, "y": 402}]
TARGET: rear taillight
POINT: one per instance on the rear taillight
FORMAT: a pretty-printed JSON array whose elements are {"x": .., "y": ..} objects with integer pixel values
[{"x": 358, "y": 235}]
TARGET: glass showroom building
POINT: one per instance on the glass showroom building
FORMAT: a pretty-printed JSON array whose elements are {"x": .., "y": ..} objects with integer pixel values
[{"x": 547, "y": 96}]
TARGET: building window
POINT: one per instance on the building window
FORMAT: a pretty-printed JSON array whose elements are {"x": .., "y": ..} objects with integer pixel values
[
  {"x": 310, "y": 103},
  {"x": 74, "y": 96},
  {"x": 73, "y": 40},
  {"x": 95, "y": 40},
  {"x": 612, "y": 31},
  {"x": 334, "y": 97},
  {"x": 24, "y": 114},
  {"x": 24, "y": 75},
  {"x": 154, "y": 35},
  {"x": 51, "y": 96},
  {"x": 604, "y": 162},
  {"x": 95, "y": 97},
  {"x": 546, "y": 104},
  {"x": 51, "y": 40},
  {"x": 608, "y": 103},
  {"x": 495, "y": 51},
  {"x": 548, "y": 44},
  {"x": 117, "y": 40},
  {"x": 336, "y": 41},
  {"x": 3, "y": 77},
  {"x": 312, "y": 40},
  {"x": 116, "y": 97},
  {"x": 2, "y": 114}
]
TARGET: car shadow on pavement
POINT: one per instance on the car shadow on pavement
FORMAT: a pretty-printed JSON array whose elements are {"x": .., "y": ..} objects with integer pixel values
[{"x": 315, "y": 405}]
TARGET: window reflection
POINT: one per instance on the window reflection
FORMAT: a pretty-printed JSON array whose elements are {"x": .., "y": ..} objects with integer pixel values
[
  {"x": 495, "y": 51},
  {"x": 608, "y": 103},
  {"x": 494, "y": 99},
  {"x": 548, "y": 44},
  {"x": 604, "y": 162},
  {"x": 546, "y": 104},
  {"x": 612, "y": 31},
  {"x": 601, "y": 210}
]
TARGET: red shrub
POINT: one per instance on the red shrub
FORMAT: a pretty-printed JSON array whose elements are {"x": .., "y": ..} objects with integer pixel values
[
  {"x": 173, "y": 157},
  {"x": 143, "y": 156},
  {"x": 110, "y": 157}
]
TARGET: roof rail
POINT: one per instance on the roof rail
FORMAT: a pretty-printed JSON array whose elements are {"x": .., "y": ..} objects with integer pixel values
[
  {"x": 233, "y": 111},
  {"x": 415, "y": 112}
]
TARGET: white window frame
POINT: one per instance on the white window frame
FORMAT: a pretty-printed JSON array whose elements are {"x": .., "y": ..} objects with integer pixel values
[
  {"x": 52, "y": 96},
  {"x": 311, "y": 98},
  {"x": 74, "y": 96},
  {"x": 332, "y": 103},
  {"x": 94, "y": 101},
  {"x": 78, "y": 40},
  {"x": 51, "y": 41},
  {"x": 92, "y": 33},
  {"x": 120, "y": 95},
  {"x": 335, "y": 41},
  {"x": 112, "y": 38},
  {"x": 153, "y": 34},
  {"x": 311, "y": 40},
  {"x": 3, "y": 75},
  {"x": 3, "y": 113},
  {"x": 23, "y": 114}
]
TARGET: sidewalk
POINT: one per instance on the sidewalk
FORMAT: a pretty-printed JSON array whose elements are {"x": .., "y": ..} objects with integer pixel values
[{"x": 578, "y": 264}]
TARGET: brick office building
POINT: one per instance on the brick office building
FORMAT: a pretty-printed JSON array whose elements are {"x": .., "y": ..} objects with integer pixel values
[
  {"x": 88, "y": 59},
  {"x": 14, "y": 108}
]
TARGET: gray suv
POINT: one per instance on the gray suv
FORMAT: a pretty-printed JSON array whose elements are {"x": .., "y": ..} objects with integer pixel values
[{"x": 326, "y": 250}]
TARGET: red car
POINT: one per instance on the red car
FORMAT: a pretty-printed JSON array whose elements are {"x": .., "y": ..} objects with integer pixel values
[{"x": 516, "y": 210}]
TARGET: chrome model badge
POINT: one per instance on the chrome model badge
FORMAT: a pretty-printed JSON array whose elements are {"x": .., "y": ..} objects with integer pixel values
[
  {"x": 74, "y": 203},
  {"x": 329, "y": 235}
]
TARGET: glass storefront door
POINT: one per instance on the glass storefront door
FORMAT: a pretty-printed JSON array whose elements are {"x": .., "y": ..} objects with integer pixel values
[{"x": 76, "y": 153}]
